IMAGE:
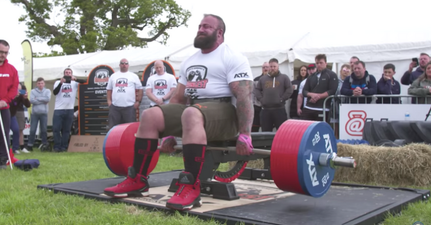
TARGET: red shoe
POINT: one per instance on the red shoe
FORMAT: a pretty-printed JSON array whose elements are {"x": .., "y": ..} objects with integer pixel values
[
  {"x": 187, "y": 195},
  {"x": 135, "y": 185}
]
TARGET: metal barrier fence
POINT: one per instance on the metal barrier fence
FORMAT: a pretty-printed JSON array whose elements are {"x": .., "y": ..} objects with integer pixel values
[{"x": 336, "y": 100}]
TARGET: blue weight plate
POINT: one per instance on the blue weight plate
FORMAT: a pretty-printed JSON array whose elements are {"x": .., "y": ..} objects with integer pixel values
[{"x": 315, "y": 179}]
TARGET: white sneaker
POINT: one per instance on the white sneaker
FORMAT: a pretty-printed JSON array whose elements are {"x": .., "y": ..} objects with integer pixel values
[
  {"x": 17, "y": 152},
  {"x": 25, "y": 150}
]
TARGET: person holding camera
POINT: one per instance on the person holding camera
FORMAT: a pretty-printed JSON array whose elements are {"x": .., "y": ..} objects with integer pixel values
[
  {"x": 65, "y": 91},
  {"x": 17, "y": 121}
]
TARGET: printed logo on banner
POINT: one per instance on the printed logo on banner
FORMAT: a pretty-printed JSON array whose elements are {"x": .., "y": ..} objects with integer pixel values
[
  {"x": 101, "y": 77},
  {"x": 356, "y": 122}
]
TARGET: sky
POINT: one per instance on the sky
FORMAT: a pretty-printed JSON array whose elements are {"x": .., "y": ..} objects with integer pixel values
[{"x": 250, "y": 22}]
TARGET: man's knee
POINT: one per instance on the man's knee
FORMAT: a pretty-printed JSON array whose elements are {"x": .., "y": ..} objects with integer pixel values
[{"x": 192, "y": 117}]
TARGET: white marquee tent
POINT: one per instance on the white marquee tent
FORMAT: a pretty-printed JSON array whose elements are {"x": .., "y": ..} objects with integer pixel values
[{"x": 375, "y": 48}]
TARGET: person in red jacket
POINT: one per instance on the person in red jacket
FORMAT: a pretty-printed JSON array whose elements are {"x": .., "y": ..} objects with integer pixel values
[{"x": 8, "y": 90}]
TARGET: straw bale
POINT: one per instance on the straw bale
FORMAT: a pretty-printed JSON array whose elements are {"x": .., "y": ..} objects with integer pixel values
[{"x": 409, "y": 165}]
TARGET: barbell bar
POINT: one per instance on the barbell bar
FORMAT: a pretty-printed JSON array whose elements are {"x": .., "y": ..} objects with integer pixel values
[{"x": 325, "y": 159}]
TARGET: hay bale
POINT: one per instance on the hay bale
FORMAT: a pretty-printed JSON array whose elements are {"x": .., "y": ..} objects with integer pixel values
[{"x": 408, "y": 165}]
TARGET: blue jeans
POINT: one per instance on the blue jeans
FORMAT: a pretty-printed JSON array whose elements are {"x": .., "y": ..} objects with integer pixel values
[
  {"x": 42, "y": 119},
  {"x": 15, "y": 130},
  {"x": 61, "y": 126}
]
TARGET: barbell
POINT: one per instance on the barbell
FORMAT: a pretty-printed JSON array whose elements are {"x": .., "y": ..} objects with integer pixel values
[{"x": 303, "y": 155}]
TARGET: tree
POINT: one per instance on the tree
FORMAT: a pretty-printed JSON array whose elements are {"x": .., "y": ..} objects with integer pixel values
[{"x": 92, "y": 25}]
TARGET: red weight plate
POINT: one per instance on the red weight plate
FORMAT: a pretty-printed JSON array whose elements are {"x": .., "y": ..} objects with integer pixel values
[
  {"x": 284, "y": 155},
  {"x": 119, "y": 149},
  {"x": 111, "y": 149}
]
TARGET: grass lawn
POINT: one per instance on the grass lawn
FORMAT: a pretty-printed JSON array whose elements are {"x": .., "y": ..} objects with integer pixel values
[{"x": 22, "y": 203}]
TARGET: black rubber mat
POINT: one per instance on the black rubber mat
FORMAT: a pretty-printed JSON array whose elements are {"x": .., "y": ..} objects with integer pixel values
[{"x": 261, "y": 202}]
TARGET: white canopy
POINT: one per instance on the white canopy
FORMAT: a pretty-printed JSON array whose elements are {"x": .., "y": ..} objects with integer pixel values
[{"x": 376, "y": 48}]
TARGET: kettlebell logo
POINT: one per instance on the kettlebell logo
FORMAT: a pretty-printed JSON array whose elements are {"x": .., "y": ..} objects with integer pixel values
[{"x": 356, "y": 122}]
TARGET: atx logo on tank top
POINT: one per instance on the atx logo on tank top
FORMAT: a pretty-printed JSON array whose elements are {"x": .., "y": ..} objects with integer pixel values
[
  {"x": 196, "y": 79},
  {"x": 66, "y": 89},
  {"x": 121, "y": 85},
  {"x": 161, "y": 85}
]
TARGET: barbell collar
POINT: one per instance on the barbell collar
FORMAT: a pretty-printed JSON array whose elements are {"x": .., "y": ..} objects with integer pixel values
[{"x": 332, "y": 160}]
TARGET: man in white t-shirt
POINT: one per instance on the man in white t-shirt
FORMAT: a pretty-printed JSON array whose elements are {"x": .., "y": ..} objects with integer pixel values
[
  {"x": 124, "y": 93},
  {"x": 160, "y": 86},
  {"x": 210, "y": 79},
  {"x": 65, "y": 91}
]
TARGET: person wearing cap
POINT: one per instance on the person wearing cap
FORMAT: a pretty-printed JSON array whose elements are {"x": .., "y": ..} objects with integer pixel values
[
  {"x": 317, "y": 88},
  {"x": 301, "y": 100}
]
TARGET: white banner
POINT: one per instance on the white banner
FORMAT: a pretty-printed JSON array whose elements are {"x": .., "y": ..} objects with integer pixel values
[{"x": 352, "y": 116}]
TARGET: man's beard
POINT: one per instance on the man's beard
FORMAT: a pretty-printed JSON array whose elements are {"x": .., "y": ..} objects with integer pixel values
[{"x": 206, "y": 41}]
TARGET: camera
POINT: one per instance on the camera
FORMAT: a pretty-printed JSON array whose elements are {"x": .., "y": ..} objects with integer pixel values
[
  {"x": 68, "y": 79},
  {"x": 416, "y": 61}
]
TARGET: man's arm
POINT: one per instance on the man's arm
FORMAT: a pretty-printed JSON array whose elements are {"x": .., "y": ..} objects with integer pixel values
[
  {"x": 288, "y": 89},
  {"x": 33, "y": 99},
  {"x": 306, "y": 88},
  {"x": 178, "y": 96},
  {"x": 139, "y": 93},
  {"x": 150, "y": 95},
  {"x": 405, "y": 79},
  {"x": 58, "y": 87},
  {"x": 169, "y": 94},
  {"x": 258, "y": 90},
  {"x": 244, "y": 104},
  {"x": 299, "y": 101},
  {"x": 13, "y": 90},
  {"x": 372, "y": 87},
  {"x": 345, "y": 89},
  {"x": 109, "y": 97}
]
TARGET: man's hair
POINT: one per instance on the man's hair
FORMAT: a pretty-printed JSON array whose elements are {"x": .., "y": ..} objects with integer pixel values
[
  {"x": 3, "y": 42},
  {"x": 221, "y": 24},
  {"x": 346, "y": 66},
  {"x": 273, "y": 60},
  {"x": 423, "y": 53},
  {"x": 67, "y": 69},
  {"x": 40, "y": 79},
  {"x": 320, "y": 56},
  {"x": 359, "y": 62},
  {"x": 389, "y": 66},
  {"x": 355, "y": 57}
]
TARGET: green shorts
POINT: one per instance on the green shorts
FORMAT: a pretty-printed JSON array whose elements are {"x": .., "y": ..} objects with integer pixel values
[{"x": 220, "y": 120}]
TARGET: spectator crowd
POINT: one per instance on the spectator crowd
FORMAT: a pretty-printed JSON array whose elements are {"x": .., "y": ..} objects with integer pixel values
[{"x": 272, "y": 89}]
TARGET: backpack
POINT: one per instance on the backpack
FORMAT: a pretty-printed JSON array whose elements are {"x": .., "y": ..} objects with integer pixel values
[
  {"x": 27, "y": 164},
  {"x": 367, "y": 79}
]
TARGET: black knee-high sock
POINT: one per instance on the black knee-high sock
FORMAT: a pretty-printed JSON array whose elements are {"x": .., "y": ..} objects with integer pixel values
[
  {"x": 194, "y": 157},
  {"x": 144, "y": 150}
]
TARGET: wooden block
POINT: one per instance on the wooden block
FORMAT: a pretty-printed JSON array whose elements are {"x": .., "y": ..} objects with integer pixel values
[{"x": 86, "y": 143}]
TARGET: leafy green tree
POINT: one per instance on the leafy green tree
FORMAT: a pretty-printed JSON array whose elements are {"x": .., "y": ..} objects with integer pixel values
[{"x": 91, "y": 25}]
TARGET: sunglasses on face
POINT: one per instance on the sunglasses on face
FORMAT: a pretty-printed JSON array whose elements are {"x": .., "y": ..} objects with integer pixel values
[{"x": 124, "y": 63}]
